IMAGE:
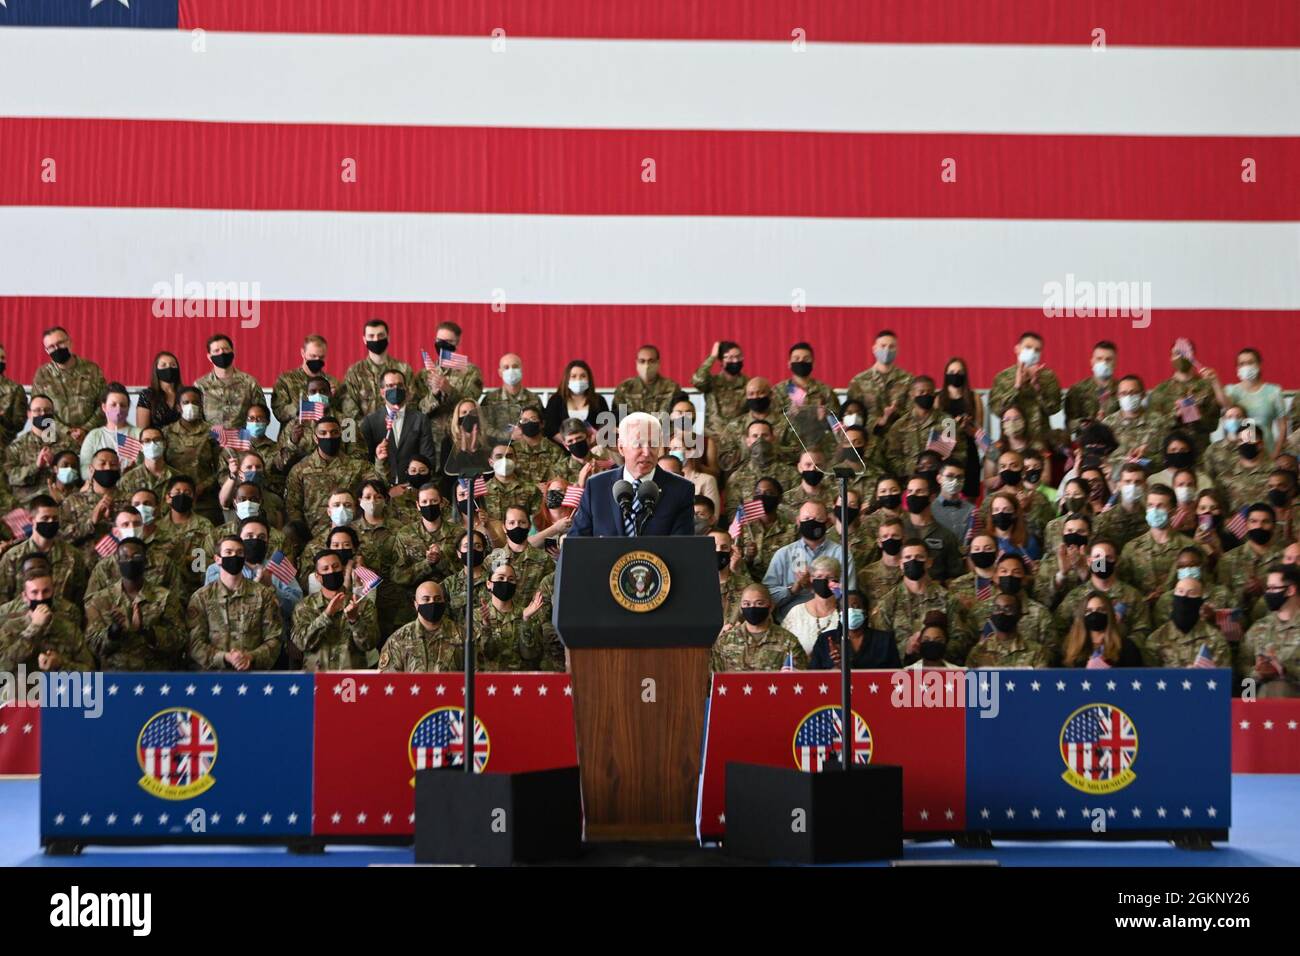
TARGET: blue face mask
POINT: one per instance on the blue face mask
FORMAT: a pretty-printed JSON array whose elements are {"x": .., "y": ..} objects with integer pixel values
[
  {"x": 1232, "y": 425},
  {"x": 253, "y": 477},
  {"x": 856, "y": 617},
  {"x": 1157, "y": 517},
  {"x": 256, "y": 429},
  {"x": 1185, "y": 573}
]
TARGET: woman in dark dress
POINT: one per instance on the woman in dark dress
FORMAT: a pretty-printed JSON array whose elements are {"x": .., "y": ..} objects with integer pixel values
[
  {"x": 871, "y": 649},
  {"x": 159, "y": 404},
  {"x": 575, "y": 398},
  {"x": 1094, "y": 639}
]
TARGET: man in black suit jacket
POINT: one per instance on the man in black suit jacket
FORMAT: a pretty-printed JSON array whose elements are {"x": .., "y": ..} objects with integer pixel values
[
  {"x": 411, "y": 428},
  {"x": 640, "y": 443}
]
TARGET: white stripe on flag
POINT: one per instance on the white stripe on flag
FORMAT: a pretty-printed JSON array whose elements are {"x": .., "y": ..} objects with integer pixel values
[
  {"x": 659, "y": 84},
  {"x": 639, "y": 260}
]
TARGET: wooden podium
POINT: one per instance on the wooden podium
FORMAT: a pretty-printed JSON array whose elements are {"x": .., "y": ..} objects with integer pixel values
[{"x": 639, "y": 617}]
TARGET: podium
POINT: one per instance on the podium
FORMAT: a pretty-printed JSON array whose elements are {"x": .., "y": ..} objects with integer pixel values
[{"x": 639, "y": 617}]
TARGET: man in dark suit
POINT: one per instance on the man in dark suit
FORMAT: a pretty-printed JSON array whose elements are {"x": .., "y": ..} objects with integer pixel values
[
  {"x": 640, "y": 442},
  {"x": 396, "y": 432}
]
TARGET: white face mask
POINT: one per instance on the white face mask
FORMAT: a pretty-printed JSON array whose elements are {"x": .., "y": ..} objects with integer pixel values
[
  {"x": 1028, "y": 356},
  {"x": 512, "y": 376},
  {"x": 146, "y": 513},
  {"x": 578, "y": 386},
  {"x": 247, "y": 509},
  {"x": 851, "y": 420},
  {"x": 68, "y": 475},
  {"x": 1102, "y": 370},
  {"x": 1130, "y": 403},
  {"x": 1247, "y": 373},
  {"x": 341, "y": 515},
  {"x": 950, "y": 486},
  {"x": 373, "y": 507},
  {"x": 1184, "y": 494},
  {"x": 191, "y": 412},
  {"x": 1131, "y": 493},
  {"x": 504, "y": 467},
  {"x": 153, "y": 450}
]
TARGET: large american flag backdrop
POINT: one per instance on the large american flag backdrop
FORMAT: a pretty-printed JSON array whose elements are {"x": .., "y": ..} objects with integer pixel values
[{"x": 612, "y": 173}]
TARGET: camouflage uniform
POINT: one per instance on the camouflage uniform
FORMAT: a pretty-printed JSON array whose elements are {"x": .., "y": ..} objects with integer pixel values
[
  {"x": 732, "y": 452},
  {"x": 724, "y": 396},
  {"x": 463, "y": 384},
  {"x": 410, "y": 569},
  {"x": 535, "y": 465},
  {"x": 766, "y": 541},
  {"x": 876, "y": 390},
  {"x": 1119, "y": 527},
  {"x": 278, "y": 460},
  {"x": 741, "y": 482},
  {"x": 553, "y": 652},
  {"x": 1131, "y": 611},
  {"x": 454, "y": 587},
  {"x": 1145, "y": 563},
  {"x": 1083, "y": 400},
  {"x": 1216, "y": 596},
  {"x": 1243, "y": 486},
  {"x": 1270, "y": 635},
  {"x": 1142, "y": 429},
  {"x": 531, "y": 566},
  {"x": 27, "y": 479},
  {"x": 226, "y": 401},
  {"x": 379, "y": 552},
  {"x": 22, "y": 643},
  {"x": 291, "y": 388},
  {"x": 75, "y": 523},
  {"x": 13, "y": 409},
  {"x": 818, "y": 393},
  {"x": 569, "y": 468},
  {"x": 1038, "y": 405},
  {"x": 504, "y": 641},
  {"x": 902, "y": 613},
  {"x": 75, "y": 392},
  {"x": 66, "y": 562},
  {"x": 502, "y": 495},
  {"x": 870, "y": 529},
  {"x": 943, "y": 546},
  {"x": 363, "y": 384},
  {"x": 877, "y": 578},
  {"x": 907, "y": 438},
  {"x": 1240, "y": 565},
  {"x": 139, "y": 478},
  {"x": 738, "y": 649},
  {"x": 246, "y": 618},
  {"x": 825, "y": 493},
  {"x": 161, "y": 570},
  {"x": 634, "y": 395},
  {"x": 333, "y": 643},
  {"x": 183, "y": 540},
  {"x": 732, "y": 590},
  {"x": 157, "y": 646},
  {"x": 526, "y": 398},
  {"x": 1165, "y": 395},
  {"x": 966, "y": 588},
  {"x": 994, "y": 650},
  {"x": 191, "y": 450},
  {"x": 1035, "y": 623},
  {"x": 1170, "y": 647},
  {"x": 413, "y": 649},
  {"x": 313, "y": 480},
  {"x": 1219, "y": 458}
]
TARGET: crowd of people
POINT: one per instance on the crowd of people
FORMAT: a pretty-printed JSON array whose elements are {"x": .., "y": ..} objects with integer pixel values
[{"x": 1156, "y": 526}]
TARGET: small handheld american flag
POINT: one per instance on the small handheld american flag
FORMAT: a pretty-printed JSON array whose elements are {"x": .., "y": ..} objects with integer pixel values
[
  {"x": 427, "y": 359},
  {"x": 983, "y": 440},
  {"x": 1236, "y": 526},
  {"x": 837, "y": 426},
  {"x": 480, "y": 486},
  {"x": 452, "y": 360},
  {"x": 983, "y": 587},
  {"x": 940, "y": 443},
  {"x": 572, "y": 496},
  {"x": 310, "y": 411},
  {"x": 1183, "y": 348},
  {"x": 236, "y": 439},
  {"x": 974, "y": 525},
  {"x": 797, "y": 395},
  {"x": 369, "y": 580},
  {"x": 1187, "y": 410},
  {"x": 390, "y": 416},
  {"x": 128, "y": 448},
  {"x": 1203, "y": 657},
  {"x": 19, "y": 522},
  {"x": 788, "y": 663},
  {"x": 1097, "y": 662},
  {"x": 282, "y": 568},
  {"x": 1228, "y": 621},
  {"x": 106, "y": 545}
]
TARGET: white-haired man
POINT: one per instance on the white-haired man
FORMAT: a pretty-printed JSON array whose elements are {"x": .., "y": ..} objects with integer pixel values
[{"x": 640, "y": 442}]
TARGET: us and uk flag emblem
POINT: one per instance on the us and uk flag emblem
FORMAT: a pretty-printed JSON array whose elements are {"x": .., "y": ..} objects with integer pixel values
[
  {"x": 1099, "y": 744},
  {"x": 438, "y": 740},
  {"x": 177, "y": 750},
  {"x": 818, "y": 739}
]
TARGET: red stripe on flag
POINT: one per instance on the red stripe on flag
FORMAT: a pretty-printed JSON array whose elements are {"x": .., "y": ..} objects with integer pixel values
[
  {"x": 1209, "y": 23},
  {"x": 706, "y": 173}
]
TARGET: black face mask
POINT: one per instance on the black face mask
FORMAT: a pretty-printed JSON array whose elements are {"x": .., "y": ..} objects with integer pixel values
[
  {"x": 171, "y": 376},
  {"x": 462, "y": 505},
  {"x": 315, "y": 365},
  {"x": 132, "y": 569},
  {"x": 733, "y": 368},
  {"x": 892, "y": 546},
  {"x": 554, "y": 499},
  {"x": 724, "y": 560},
  {"x": 932, "y": 651},
  {"x": 1260, "y": 535},
  {"x": 223, "y": 359},
  {"x": 417, "y": 478},
  {"x": 1105, "y": 570},
  {"x": 890, "y": 501},
  {"x": 431, "y": 612},
  {"x": 182, "y": 504},
  {"x": 468, "y": 423},
  {"x": 1095, "y": 621},
  {"x": 1072, "y": 505},
  {"x": 47, "y": 529},
  {"x": 1274, "y": 600},
  {"x": 760, "y": 405},
  {"x": 503, "y": 590},
  {"x": 755, "y": 615},
  {"x": 770, "y": 503},
  {"x": 329, "y": 447},
  {"x": 1186, "y": 612},
  {"x": 254, "y": 550},
  {"x": 914, "y": 570},
  {"x": 41, "y": 422},
  {"x": 1278, "y": 497},
  {"x": 232, "y": 563},
  {"x": 983, "y": 559},
  {"x": 530, "y": 429},
  {"x": 444, "y": 345},
  {"x": 33, "y": 605},
  {"x": 812, "y": 530},
  {"x": 1010, "y": 477},
  {"x": 378, "y": 347},
  {"x": 343, "y": 554},
  {"x": 802, "y": 369},
  {"x": 1249, "y": 450},
  {"x": 1008, "y": 584},
  {"x": 1004, "y": 521},
  {"x": 821, "y": 587},
  {"x": 1004, "y": 621},
  {"x": 517, "y": 535},
  {"x": 852, "y": 514},
  {"x": 1178, "y": 459},
  {"x": 107, "y": 477},
  {"x": 477, "y": 556},
  {"x": 61, "y": 355},
  {"x": 1033, "y": 475},
  {"x": 580, "y": 449},
  {"x": 430, "y": 512},
  {"x": 332, "y": 580},
  {"x": 925, "y": 402},
  {"x": 917, "y": 504},
  {"x": 813, "y": 478},
  {"x": 395, "y": 396},
  {"x": 1074, "y": 538},
  {"x": 955, "y": 379}
]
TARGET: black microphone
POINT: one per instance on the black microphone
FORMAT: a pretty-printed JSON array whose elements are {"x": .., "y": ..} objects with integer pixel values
[
  {"x": 648, "y": 495},
  {"x": 623, "y": 492}
]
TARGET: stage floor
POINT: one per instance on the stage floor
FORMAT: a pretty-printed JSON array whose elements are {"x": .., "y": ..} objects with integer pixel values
[{"x": 1264, "y": 810}]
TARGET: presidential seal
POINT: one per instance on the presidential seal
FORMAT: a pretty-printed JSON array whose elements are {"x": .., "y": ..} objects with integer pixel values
[
  {"x": 1099, "y": 744},
  {"x": 639, "y": 581},
  {"x": 177, "y": 749}
]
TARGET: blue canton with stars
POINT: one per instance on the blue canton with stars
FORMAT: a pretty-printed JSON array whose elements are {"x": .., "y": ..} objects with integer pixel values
[
  {"x": 147, "y": 14},
  {"x": 262, "y": 770},
  {"x": 1170, "y": 727}
]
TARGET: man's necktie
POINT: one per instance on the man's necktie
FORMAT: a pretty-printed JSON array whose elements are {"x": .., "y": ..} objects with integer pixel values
[{"x": 629, "y": 521}]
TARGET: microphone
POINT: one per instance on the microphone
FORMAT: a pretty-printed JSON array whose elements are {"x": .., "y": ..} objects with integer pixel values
[
  {"x": 648, "y": 495},
  {"x": 623, "y": 495}
]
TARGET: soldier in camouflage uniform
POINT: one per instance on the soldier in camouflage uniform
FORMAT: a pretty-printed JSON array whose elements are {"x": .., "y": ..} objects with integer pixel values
[
  {"x": 454, "y": 584},
  {"x": 762, "y": 459},
  {"x": 512, "y": 392},
  {"x": 73, "y": 384},
  {"x": 363, "y": 382},
  {"x": 735, "y": 438},
  {"x": 319, "y": 475},
  {"x": 191, "y": 538},
  {"x": 530, "y": 564},
  {"x": 508, "y": 632},
  {"x": 815, "y": 392},
  {"x": 1177, "y": 642},
  {"x": 509, "y": 490},
  {"x": 879, "y": 577},
  {"x": 1244, "y": 480},
  {"x": 1242, "y": 570},
  {"x": 883, "y": 388},
  {"x": 29, "y": 460},
  {"x": 1067, "y": 563},
  {"x": 773, "y": 530},
  {"x": 909, "y": 435},
  {"x": 1138, "y": 431},
  {"x": 234, "y": 622},
  {"x": 1007, "y": 643},
  {"x": 647, "y": 391},
  {"x": 886, "y": 504},
  {"x": 536, "y": 456},
  {"x": 160, "y": 565},
  {"x": 274, "y": 460},
  {"x": 134, "y": 624},
  {"x": 67, "y": 564},
  {"x": 85, "y": 516},
  {"x": 812, "y": 485},
  {"x": 441, "y": 390},
  {"x": 227, "y": 392},
  {"x": 1029, "y": 386},
  {"x": 433, "y": 642},
  {"x": 191, "y": 450},
  {"x": 297, "y": 439},
  {"x": 1186, "y": 382},
  {"x": 333, "y": 629},
  {"x": 1270, "y": 652},
  {"x": 424, "y": 550},
  {"x": 151, "y": 471},
  {"x": 1095, "y": 397},
  {"x": 291, "y": 387},
  {"x": 732, "y": 576},
  {"x": 41, "y": 635},
  {"x": 1146, "y": 560},
  {"x": 901, "y": 611},
  {"x": 1126, "y": 519},
  {"x": 13, "y": 404},
  {"x": 1131, "y": 613},
  {"x": 724, "y": 393},
  {"x": 753, "y": 641}
]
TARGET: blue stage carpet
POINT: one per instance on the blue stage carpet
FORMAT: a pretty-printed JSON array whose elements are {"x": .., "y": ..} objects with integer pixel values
[{"x": 1263, "y": 834}]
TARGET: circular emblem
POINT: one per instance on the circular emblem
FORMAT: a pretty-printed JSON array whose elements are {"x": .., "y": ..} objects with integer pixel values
[
  {"x": 1099, "y": 744},
  {"x": 438, "y": 740},
  {"x": 639, "y": 581},
  {"x": 818, "y": 738},
  {"x": 176, "y": 750}
]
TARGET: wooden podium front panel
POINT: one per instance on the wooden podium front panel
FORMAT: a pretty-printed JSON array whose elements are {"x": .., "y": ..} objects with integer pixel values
[{"x": 639, "y": 758}]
